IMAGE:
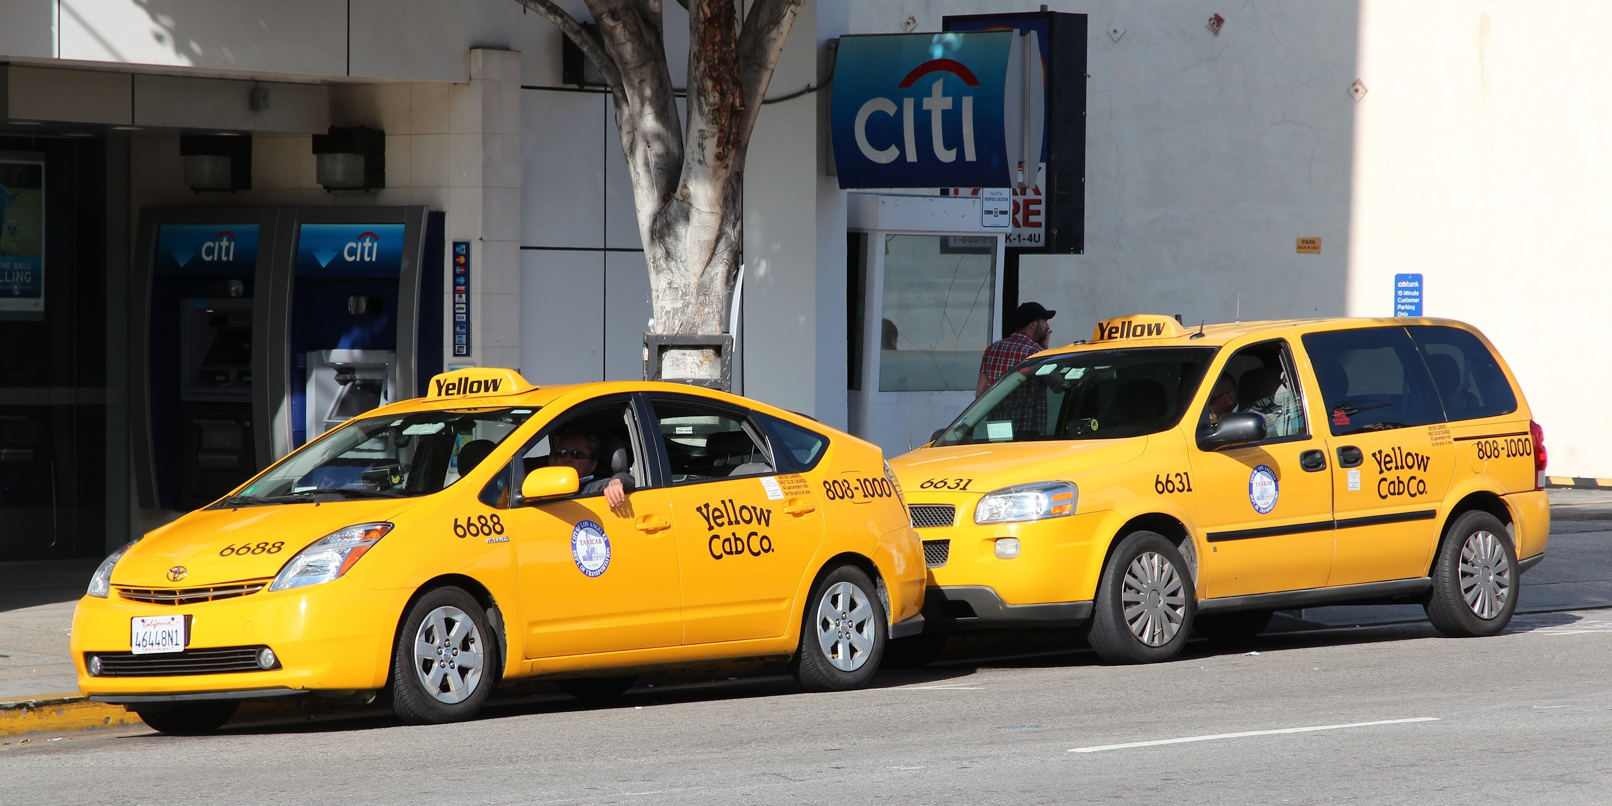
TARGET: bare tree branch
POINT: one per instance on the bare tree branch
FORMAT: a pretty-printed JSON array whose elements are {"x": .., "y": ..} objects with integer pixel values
[
  {"x": 646, "y": 112},
  {"x": 687, "y": 181},
  {"x": 713, "y": 141},
  {"x": 766, "y": 28},
  {"x": 574, "y": 31}
]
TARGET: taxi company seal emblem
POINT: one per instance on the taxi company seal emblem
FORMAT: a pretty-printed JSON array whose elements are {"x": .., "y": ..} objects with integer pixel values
[
  {"x": 177, "y": 573},
  {"x": 1263, "y": 489},
  {"x": 590, "y": 548}
]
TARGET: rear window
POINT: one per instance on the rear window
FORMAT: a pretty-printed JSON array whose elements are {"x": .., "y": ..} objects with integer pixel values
[
  {"x": 1372, "y": 379},
  {"x": 1469, "y": 380},
  {"x": 804, "y": 446}
]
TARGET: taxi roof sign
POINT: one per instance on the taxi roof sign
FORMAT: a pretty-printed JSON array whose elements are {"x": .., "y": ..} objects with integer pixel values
[
  {"x": 477, "y": 382},
  {"x": 1137, "y": 326}
]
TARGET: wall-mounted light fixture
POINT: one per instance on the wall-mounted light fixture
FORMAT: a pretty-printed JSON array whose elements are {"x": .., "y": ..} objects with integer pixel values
[
  {"x": 351, "y": 158},
  {"x": 575, "y": 69},
  {"x": 217, "y": 161}
]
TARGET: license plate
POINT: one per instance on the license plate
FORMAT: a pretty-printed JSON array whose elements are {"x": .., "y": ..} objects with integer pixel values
[{"x": 150, "y": 635}]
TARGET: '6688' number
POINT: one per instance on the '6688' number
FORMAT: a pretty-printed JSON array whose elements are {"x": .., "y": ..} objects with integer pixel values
[
  {"x": 478, "y": 525},
  {"x": 244, "y": 549}
]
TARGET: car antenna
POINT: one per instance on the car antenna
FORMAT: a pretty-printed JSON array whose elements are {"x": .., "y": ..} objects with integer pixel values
[{"x": 1199, "y": 334}]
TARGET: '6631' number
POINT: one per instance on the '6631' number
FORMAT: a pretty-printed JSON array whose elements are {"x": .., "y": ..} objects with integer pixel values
[{"x": 1165, "y": 483}]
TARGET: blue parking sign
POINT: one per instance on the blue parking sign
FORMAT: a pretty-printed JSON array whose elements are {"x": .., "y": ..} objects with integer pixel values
[{"x": 1407, "y": 295}]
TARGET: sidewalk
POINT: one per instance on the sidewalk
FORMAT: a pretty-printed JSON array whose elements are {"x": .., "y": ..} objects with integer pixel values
[{"x": 39, "y": 691}]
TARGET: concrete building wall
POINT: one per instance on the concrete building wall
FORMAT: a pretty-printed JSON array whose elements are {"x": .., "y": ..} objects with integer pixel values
[
  {"x": 308, "y": 40},
  {"x": 1474, "y": 157},
  {"x": 793, "y": 336},
  {"x": 1480, "y": 161}
]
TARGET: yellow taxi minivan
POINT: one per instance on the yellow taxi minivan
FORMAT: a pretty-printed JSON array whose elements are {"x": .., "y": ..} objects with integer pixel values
[
  {"x": 1158, "y": 479},
  {"x": 496, "y": 530}
]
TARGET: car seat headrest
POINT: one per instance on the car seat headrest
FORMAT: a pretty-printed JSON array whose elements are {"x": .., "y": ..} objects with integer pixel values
[{"x": 471, "y": 454}]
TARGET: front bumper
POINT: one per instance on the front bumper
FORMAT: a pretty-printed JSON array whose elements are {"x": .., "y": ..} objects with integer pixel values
[
  {"x": 1059, "y": 560},
  {"x": 194, "y": 696},
  {"x": 331, "y": 637},
  {"x": 976, "y": 608}
]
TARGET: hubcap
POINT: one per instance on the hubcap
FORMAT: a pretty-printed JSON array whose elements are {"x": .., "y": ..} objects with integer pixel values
[
  {"x": 1153, "y": 598},
  {"x": 1485, "y": 574},
  {"x": 447, "y": 654},
  {"x": 845, "y": 626}
]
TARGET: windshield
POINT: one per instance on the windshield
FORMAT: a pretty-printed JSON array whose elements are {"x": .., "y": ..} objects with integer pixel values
[
  {"x": 400, "y": 456},
  {"x": 1102, "y": 394}
]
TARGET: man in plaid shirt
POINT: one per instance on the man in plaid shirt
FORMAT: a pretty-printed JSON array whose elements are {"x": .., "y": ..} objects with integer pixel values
[{"x": 1024, "y": 407}]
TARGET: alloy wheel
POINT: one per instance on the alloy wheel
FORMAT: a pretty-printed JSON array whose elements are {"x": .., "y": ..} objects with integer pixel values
[
  {"x": 1154, "y": 601},
  {"x": 845, "y": 627},
  {"x": 448, "y": 654},
  {"x": 1485, "y": 574}
]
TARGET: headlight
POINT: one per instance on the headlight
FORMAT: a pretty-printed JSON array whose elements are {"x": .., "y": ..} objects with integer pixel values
[
  {"x": 1027, "y": 502},
  {"x": 101, "y": 583},
  {"x": 329, "y": 557},
  {"x": 895, "y": 484}
]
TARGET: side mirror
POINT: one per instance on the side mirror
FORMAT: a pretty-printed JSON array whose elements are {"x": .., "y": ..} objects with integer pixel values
[
  {"x": 549, "y": 482},
  {"x": 939, "y": 432},
  {"x": 1238, "y": 428}
]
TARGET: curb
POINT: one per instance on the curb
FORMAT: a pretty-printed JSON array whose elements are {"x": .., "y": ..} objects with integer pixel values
[
  {"x": 61, "y": 713},
  {"x": 1578, "y": 483},
  {"x": 69, "y": 713}
]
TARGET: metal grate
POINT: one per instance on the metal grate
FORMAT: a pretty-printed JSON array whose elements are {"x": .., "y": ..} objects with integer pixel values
[
  {"x": 936, "y": 552},
  {"x": 170, "y": 664},
  {"x": 184, "y": 596},
  {"x": 928, "y": 516}
]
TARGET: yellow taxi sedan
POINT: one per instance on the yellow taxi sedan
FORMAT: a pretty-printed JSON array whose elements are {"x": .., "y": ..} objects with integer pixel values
[
  {"x": 1159, "y": 479},
  {"x": 494, "y": 530}
]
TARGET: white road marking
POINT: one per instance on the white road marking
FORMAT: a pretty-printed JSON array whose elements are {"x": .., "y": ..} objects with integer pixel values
[
  {"x": 1212, "y": 737},
  {"x": 1577, "y": 628}
]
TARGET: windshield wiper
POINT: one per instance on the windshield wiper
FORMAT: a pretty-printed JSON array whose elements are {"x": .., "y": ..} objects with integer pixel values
[
  {"x": 234, "y": 501},
  {"x": 343, "y": 492}
]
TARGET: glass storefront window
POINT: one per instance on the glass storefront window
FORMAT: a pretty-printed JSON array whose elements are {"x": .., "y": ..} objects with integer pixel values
[{"x": 939, "y": 292}]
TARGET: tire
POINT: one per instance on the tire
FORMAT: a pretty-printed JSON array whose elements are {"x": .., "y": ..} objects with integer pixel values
[
  {"x": 188, "y": 718},
  {"x": 1475, "y": 578},
  {"x": 842, "y": 636},
  {"x": 914, "y": 652},
  {"x": 445, "y": 662},
  {"x": 1233, "y": 628},
  {"x": 1147, "y": 571},
  {"x": 596, "y": 689}
]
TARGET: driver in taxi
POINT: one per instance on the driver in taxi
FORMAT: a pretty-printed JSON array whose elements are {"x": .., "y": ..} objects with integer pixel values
[{"x": 581, "y": 451}]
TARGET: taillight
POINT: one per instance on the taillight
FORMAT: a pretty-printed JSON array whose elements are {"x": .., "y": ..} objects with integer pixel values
[{"x": 1538, "y": 435}]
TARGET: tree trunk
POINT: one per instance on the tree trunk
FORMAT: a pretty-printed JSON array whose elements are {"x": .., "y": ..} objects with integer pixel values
[{"x": 687, "y": 186}]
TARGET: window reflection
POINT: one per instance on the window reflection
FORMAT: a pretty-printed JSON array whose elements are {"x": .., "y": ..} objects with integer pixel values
[{"x": 939, "y": 292}]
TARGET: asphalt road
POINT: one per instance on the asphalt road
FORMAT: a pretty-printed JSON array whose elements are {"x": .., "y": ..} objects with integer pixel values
[{"x": 1381, "y": 714}]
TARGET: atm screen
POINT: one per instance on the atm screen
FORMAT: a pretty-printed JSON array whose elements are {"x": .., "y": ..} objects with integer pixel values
[{"x": 231, "y": 347}]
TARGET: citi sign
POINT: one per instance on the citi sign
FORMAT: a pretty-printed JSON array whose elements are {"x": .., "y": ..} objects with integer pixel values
[
  {"x": 937, "y": 103},
  {"x": 221, "y": 247},
  {"x": 366, "y": 248},
  {"x": 926, "y": 110}
]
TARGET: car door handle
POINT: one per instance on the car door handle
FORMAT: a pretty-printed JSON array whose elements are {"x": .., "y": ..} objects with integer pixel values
[
  {"x": 1350, "y": 456},
  {"x": 652, "y": 524},
  {"x": 1313, "y": 461},
  {"x": 800, "y": 508}
]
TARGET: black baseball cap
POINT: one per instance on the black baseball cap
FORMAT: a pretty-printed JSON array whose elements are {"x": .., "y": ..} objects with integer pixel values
[{"x": 1030, "y": 312}]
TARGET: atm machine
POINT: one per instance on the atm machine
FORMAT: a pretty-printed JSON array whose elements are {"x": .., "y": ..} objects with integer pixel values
[
  {"x": 195, "y": 366},
  {"x": 351, "y": 312},
  {"x": 257, "y": 329}
]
